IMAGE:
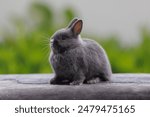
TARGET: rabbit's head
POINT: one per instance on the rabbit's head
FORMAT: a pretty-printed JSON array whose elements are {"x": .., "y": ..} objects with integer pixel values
[{"x": 68, "y": 37}]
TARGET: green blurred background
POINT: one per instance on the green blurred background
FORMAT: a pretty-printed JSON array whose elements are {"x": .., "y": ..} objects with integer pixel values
[{"x": 26, "y": 49}]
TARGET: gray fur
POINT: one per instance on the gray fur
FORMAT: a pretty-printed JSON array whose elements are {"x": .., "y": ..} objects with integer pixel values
[{"x": 75, "y": 60}]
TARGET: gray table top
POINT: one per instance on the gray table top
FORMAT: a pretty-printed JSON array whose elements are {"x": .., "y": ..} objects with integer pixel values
[{"x": 36, "y": 86}]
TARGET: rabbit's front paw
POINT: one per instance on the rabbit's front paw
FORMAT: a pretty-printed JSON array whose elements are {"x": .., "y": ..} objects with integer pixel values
[
  {"x": 53, "y": 81},
  {"x": 93, "y": 81},
  {"x": 76, "y": 83}
]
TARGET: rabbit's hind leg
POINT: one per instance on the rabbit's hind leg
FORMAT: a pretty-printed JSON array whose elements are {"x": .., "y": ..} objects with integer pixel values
[
  {"x": 78, "y": 79},
  {"x": 93, "y": 81}
]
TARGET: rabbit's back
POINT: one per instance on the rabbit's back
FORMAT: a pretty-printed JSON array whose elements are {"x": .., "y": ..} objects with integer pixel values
[{"x": 96, "y": 60}]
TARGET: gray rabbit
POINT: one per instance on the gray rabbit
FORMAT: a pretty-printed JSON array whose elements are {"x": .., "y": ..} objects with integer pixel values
[{"x": 76, "y": 61}]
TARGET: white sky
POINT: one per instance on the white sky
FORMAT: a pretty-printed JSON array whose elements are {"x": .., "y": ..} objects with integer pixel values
[{"x": 101, "y": 17}]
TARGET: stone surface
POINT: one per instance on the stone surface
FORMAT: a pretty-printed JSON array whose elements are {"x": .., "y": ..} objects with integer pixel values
[{"x": 37, "y": 87}]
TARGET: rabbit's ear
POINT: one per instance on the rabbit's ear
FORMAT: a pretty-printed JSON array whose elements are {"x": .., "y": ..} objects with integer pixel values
[
  {"x": 77, "y": 27},
  {"x": 72, "y": 22}
]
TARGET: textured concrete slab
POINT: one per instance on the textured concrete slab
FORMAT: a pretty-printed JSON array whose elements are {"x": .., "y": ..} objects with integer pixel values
[{"x": 37, "y": 87}]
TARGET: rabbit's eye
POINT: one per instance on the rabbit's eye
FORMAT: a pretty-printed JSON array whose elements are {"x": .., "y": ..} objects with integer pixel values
[{"x": 64, "y": 37}]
